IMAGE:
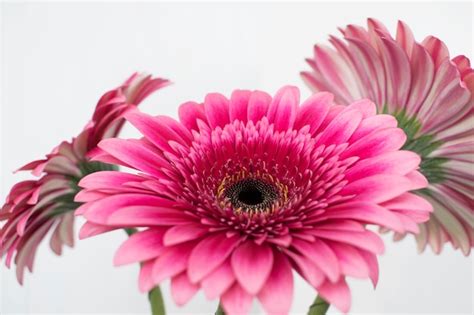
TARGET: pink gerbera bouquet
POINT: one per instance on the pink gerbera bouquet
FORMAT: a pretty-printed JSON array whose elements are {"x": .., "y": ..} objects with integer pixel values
[{"x": 241, "y": 194}]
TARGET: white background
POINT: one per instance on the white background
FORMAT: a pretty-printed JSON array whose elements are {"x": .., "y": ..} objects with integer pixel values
[{"x": 58, "y": 58}]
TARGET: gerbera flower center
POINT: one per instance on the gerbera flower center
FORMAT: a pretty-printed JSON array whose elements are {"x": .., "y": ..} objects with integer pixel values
[{"x": 251, "y": 195}]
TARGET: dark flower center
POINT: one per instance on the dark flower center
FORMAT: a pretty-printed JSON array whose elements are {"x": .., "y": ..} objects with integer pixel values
[{"x": 252, "y": 195}]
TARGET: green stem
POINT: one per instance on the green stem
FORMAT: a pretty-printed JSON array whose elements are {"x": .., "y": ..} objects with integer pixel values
[
  {"x": 220, "y": 311},
  {"x": 156, "y": 301},
  {"x": 154, "y": 296},
  {"x": 319, "y": 307}
]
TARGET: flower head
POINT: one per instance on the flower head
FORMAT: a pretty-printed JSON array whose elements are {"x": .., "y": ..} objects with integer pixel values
[
  {"x": 240, "y": 192},
  {"x": 431, "y": 96},
  {"x": 34, "y": 207}
]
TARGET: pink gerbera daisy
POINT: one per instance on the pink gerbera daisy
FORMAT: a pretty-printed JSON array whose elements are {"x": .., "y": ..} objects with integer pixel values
[
  {"x": 431, "y": 96},
  {"x": 240, "y": 192},
  {"x": 37, "y": 206}
]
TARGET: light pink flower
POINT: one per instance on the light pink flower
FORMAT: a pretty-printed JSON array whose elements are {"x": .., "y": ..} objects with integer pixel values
[
  {"x": 432, "y": 98},
  {"x": 34, "y": 207},
  {"x": 240, "y": 192}
]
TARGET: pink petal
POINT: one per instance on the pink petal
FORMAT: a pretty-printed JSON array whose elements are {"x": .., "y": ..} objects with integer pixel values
[
  {"x": 91, "y": 229},
  {"x": 11, "y": 251},
  {"x": 145, "y": 279},
  {"x": 282, "y": 110},
  {"x": 66, "y": 149},
  {"x": 25, "y": 257},
  {"x": 367, "y": 213},
  {"x": 258, "y": 105},
  {"x": 331, "y": 115},
  {"x": 352, "y": 62},
  {"x": 337, "y": 73},
  {"x": 397, "y": 69},
  {"x": 189, "y": 113},
  {"x": 209, "y": 254},
  {"x": 316, "y": 82},
  {"x": 100, "y": 210},
  {"x": 321, "y": 255},
  {"x": 160, "y": 130},
  {"x": 364, "y": 106},
  {"x": 313, "y": 111},
  {"x": 55, "y": 242},
  {"x": 409, "y": 223},
  {"x": 458, "y": 232},
  {"x": 236, "y": 301},
  {"x": 277, "y": 293},
  {"x": 368, "y": 125},
  {"x": 341, "y": 128},
  {"x": 281, "y": 240},
  {"x": 62, "y": 165},
  {"x": 80, "y": 143},
  {"x": 172, "y": 261},
  {"x": 375, "y": 26},
  {"x": 21, "y": 225},
  {"x": 408, "y": 201},
  {"x": 372, "y": 263},
  {"x": 397, "y": 162},
  {"x": 140, "y": 246},
  {"x": 307, "y": 269},
  {"x": 423, "y": 72},
  {"x": 437, "y": 49},
  {"x": 239, "y": 102},
  {"x": 370, "y": 63},
  {"x": 351, "y": 261},
  {"x": 65, "y": 229},
  {"x": 447, "y": 102},
  {"x": 377, "y": 188},
  {"x": 134, "y": 154},
  {"x": 145, "y": 216},
  {"x": 418, "y": 181},
  {"x": 339, "y": 225},
  {"x": 367, "y": 240},
  {"x": 108, "y": 179},
  {"x": 182, "y": 290},
  {"x": 97, "y": 154},
  {"x": 216, "y": 107},
  {"x": 377, "y": 142},
  {"x": 252, "y": 264},
  {"x": 183, "y": 233},
  {"x": 337, "y": 294},
  {"x": 136, "y": 92},
  {"x": 31, "y": 166},
  {"x": 86, "y": 196},
  {"x": 355, "y": 31},
  {"x": 405, "y": 37},
  {"x": 463, "y": 64},
  {"x": 218, "y": 281}
]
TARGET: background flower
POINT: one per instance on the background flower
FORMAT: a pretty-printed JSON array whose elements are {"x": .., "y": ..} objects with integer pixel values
[
  {"x": 432, "y": 98},
  {"x": 242, "y": 191},
  {"x": 34, "y": 207}
]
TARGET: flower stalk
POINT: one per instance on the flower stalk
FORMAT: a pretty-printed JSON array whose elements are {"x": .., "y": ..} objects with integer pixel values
[
  {"x": 319, "y": 306},
  {"x": 156, "y": 301},
  {"x": 220, "y": 310}
]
